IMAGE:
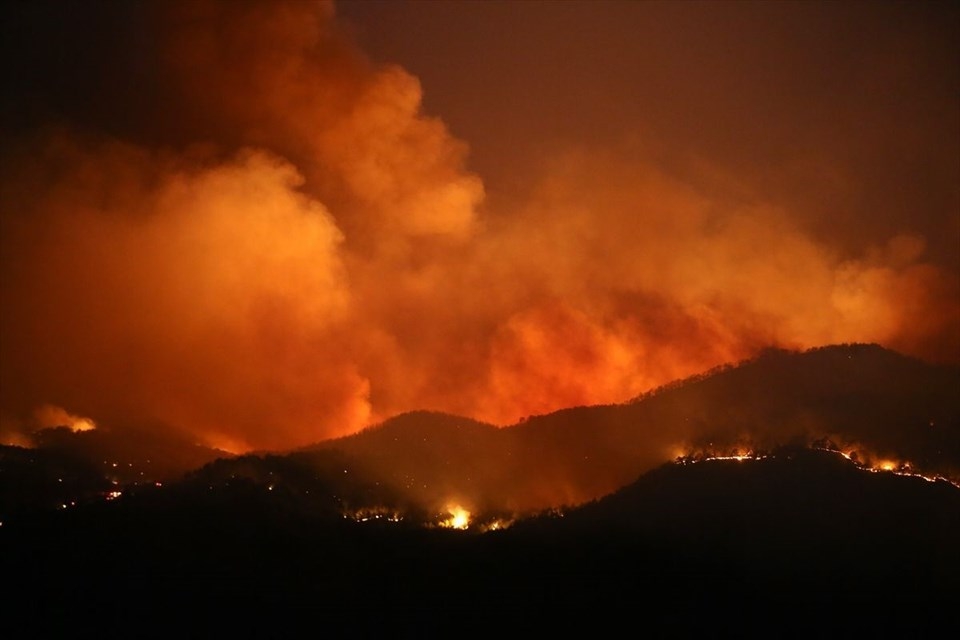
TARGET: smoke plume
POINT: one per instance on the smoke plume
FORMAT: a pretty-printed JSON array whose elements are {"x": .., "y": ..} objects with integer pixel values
[{"x": 272, "y": 244}]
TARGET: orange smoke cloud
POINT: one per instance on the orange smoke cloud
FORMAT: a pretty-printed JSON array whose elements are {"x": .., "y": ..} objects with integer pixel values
[
  {"x": 193, "y": 296},
  {"x": 316, "y": 257},
  {"x": 49, "y": 416},
  {"x": 279, "y": 75}
]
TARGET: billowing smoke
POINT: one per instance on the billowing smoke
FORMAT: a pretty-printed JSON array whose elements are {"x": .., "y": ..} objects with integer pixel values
[{"x": 272, "y": 244}]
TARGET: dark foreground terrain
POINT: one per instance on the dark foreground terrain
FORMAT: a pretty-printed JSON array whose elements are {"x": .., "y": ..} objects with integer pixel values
[
  {"x": 799, "y": 540},
  {"x": 153, "y": 536}
]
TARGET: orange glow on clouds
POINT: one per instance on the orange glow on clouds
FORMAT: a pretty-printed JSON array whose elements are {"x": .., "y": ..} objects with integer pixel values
[
  {"x": 49, "y": 416},
  {"x": 316, "y": 257}
]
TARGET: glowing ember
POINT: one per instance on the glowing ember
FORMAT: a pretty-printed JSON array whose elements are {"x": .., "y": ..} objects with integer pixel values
[
  {"x": 704, "y": 455},
  {"x": 496, "y": 525},
  {"x": 904, "y": 468},
  {"x": 367, "y": 514}
]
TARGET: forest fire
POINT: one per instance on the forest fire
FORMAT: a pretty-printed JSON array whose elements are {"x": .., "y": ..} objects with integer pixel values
[
  {"x": 906, "y": 469},
  {"x": 374, "y": 514},
  {"x": 49, "y": 417},
  {"x": 859, "y": 457},
  {"x": 305, "y": 245},
  {"x": 738, "y": 454},
  {"x": 459, "y": 518},
  {"x": 454, "y": 311}
]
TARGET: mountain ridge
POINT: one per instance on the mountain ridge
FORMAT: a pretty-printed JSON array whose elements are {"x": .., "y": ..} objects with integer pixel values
[{"x": 867, "y": 399}]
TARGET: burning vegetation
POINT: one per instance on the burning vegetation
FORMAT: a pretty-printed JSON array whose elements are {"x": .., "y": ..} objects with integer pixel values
[
  {"x": 272, "y": 332},
  {"x": 861, "y": 459},
  {"x": 292, "y": 249},
  {"x": 882, "y": 411}
]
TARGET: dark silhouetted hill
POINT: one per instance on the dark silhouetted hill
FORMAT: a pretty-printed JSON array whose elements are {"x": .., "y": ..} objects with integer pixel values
[
  {"x": 65, "y": 468},
  {"x": 339, "y": 536},
  {"x": 798, "y": 514},
  {"x": 857, "y": 397},
  {"x": 434, "y": 458},
  {"x": 715, "y": 545}
]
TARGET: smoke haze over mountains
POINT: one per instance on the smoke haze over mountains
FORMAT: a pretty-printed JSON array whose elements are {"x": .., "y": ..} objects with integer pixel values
[{"x": 225, "y": 220}]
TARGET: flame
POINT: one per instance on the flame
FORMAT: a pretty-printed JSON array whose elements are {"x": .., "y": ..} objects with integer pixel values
[
  {"x": 886, "y": 465},
  {"x": 376, "y": 513},
  {"x": 497, "y": 524},
  {"x": 459, "y": 518},
  {"x": 860, "y": 457},
  {"x": 740, "y": 453}
]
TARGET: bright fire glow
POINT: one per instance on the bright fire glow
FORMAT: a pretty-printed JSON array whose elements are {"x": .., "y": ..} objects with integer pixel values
[
  {"x": 368, "y": 514},
  {"x": 459, "y": 518},
  {"x": 862, "y": 459},
  {"x": 702, "y": 455},
  {"x": 496, "y": 525},
  {"x": 49, "y": 416}
]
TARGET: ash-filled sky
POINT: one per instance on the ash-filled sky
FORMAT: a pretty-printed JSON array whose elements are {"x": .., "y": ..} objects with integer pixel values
[{"x": 262, "y": 224}]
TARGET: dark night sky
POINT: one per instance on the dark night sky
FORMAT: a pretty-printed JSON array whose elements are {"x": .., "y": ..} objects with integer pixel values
[{"x": 850, "y": 111}]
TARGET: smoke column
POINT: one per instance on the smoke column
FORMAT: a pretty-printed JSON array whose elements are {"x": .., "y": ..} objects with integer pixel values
[{"x": 244, "y": 230}]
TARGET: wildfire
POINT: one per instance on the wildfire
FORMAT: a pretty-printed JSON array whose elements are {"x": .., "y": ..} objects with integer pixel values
[
  {"x": 868, "y": 461},
  {"x": 50, "y": 415},
  {"x": 887, "y": 465},
  {"x": 904, "y": 469},
  {"x": 496, "y": 525},
  {"x": 739, "y": 454},
  {"x": 368, "y": 514},
  {"x": 862, "y": 459},
  {"x": 459, "y": 518}
]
